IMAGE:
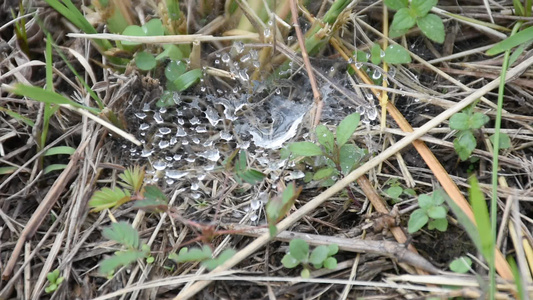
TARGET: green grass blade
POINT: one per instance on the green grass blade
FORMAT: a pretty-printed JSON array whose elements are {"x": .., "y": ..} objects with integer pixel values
[
  {"x": 60, "y": 150},
  {"x": 17, "y": 116},
  {"x": 522, "y": 37}
]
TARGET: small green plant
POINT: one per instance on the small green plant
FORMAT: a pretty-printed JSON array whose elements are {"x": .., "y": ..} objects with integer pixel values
[
  {"x": 431, "y": 212},
  {"x": 461, "y": 264},
  {"x": 243, "y": 173},
  {"x": 322, "y": 256},
  {"x": 395, "y": 191},
  {"x": 416, "y": 12},
  {"x": 394, "y": 54},
  {"x": 336, "y": 157},
  {"x": 465, "y": 123},
  {"x": 203, "y": 255},
  {"x": 127, "y": 236},
  {"x": 53, "y": 281},
  {"x": 278, "y": 206}
]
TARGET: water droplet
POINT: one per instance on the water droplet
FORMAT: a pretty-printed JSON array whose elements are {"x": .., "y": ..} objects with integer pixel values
[
  {"x": 173, "y": 141},
  {"x": 244, "y": 145},
  {"x": 176, "y": 157},
  {"x": 226, "y": 136},
  {"x": 144, "y": 126},
  {"x": 169, "y": 181},
  {"x": 372, "y": 113},
  {"x": 203, "y": 89},
  {"x": 217, "y": 62},
  {"x": 159, "y": 165},
  {"x": 168, "y": 158},
  {"x": 181, "y": 131},
  {"x": 350, "y": 60},
  {"x": 146, "y": 153},
  {"x": 361, "y": 110},
  {"x": 266, "y": 32},
  {"x": 210, "y": 167},
  {"x": 381, "y": 53},
  {"x": 358, "y": 65},
  {"x": 185, "y": 142},
  {"x": 278, "y": 91},
  {"x": 163, "y": 144},
  {"x": 245, "y": 58},
  {"x": 164, "y": 130},
  {"x": 181, "y": 121},
  {"x": 194, "y": 121},
  {"x": 212, "y": 155},
  {"x": 417, "y": 100},
  {"x": 239, "y": 47},
  {"x": 196, "y": 140},
  {"x": 146, "y": 107},
  {"x": 190, "y": 159},
  {"x": 196, "y": 196},
  {"x": 208, "y": 143},
  {"x": 201, "y": 129},
  {"x": 256, "y": 64},
  {"x": 176, "y": 174},
  {"x": 225, "y": 58},
  {"x": 195, "y": 186},
  {"x": 332, "y": 69},
  {"x": 162, "y": 110},
  {"x": 376, "y": 75},
  {"x": 244, "y": 75},
  {"x": 140, "y": 115},
  {"x": 157, "y": 118},
  {"x": 201, "y": 176},
  {"x": 253, "y": 217},
  {"x": 253, "y": 54},
  {"x": 255, "y": 204},
  {"x": 212, "y": 116}
]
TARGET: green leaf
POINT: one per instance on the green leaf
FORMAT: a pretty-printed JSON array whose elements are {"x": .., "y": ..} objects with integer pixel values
[
  {"x": 299, "y": 249},
  {"x": 52, "y": 276},
  {"x": 132, "y": 178},
  {"x": 18, "y": 117},
  {"x": 519, "y": 8},
  {"x": 517, "y": 275},
  {"x": 396, "y": 4},
  {"x": 477, "y": 120},
  {"x": 251, "y": 176},
  {"x": 505, "y": 141},
  {"x": 325, "y": 137},
  {"x": 439, "y": 224},
  {"x": 174, "y": 69},
  {"x": 123, "y": 233},
  {"x": 394, "y": 192},
  {"x": 133, "y": 30},
  {"x": 319, "y": 255},
  {"x": 521, "y": 37},
  {"x": 289, "y": 261},
  {"x": 437, "y": 212},
  {"x": 349, "y": 157},
  {"x": 212, "y": 264},
  {"x": 396, "y": 54},
  {"x": 432, "y": 27},
  {"x": 361, "y": 56},
  {"x": 421, "y": 7},
  {"x": 305, "y": 273},
  {"x": 375, "y": 54},
  {"x": 346, "y": 128},
  {"x": 60, "y": 150},
  {"x": 425, "y": 201},
  {"x": 333, "y": 249},
  {"x": 121, "y": 259},
  {"x": 154, "y": 27},
  {"x": 438, "y": 197},
  {"x": 464, "y": 144},
  {"x": 417, "y": 220},
  {"x": 145, "y": 61},
  {"x": 324, "y": 173},
  {"x": 186, "y": 80},
  {"x": 54, "y": 167},
  {"x": 330, "y": 263},
  {"x": 278, "y": 206},
  {"x": 394, "y": 33},
  {"x": 170, "y": 51},
  {"x": 461, "y": 264},
  {"x": 403, "y": 20},
  {"x": 305, "y": 149},
  {"x": 518, "y": 52},
  {"x": 481, "y": 215},
  {"x": 107, "y": 198},
  {"x": 194, "y": 254}
]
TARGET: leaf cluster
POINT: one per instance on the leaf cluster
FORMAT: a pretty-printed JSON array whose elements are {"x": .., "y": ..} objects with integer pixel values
[
  {"x": 279, "y": 206},
  {"x": 321, "y": 256},
  {"x": 395, "y": 191},
  {"x": 431, "y": 212},
  {"x": 203, "y": 255},
  {"x": 408, "y": 13},
  {"x": 54, "y": 280}
]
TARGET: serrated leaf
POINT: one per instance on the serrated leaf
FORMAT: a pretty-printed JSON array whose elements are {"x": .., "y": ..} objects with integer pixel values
[
  {"x": 289, "y": 261},
  {"x": 330, "y": 263},
  {"x": 425, "y": 201},
  {"x": 194, "y": 254},
  {"x": 133, "y": 30},
  {"x": 325, "y": 137},
  {"x": 396, "y": 4},
  {"x": 186, "y": 80},
  {"x": 323, "y": 173},
  {"x": 524, "y": 36},
  {"x": 403, "y": 20},
  {"x": 461, "y": 264},
  {"x": 107, "y": 198},
  {"x": 477, "y": 120},
  {"x": 319, "y": 255},
  {"x": 145, "y": 61},
  {"x": 123, "y": 233},
  {"x": 154, "y": 27},
  {"x": 505, "y": 141},
  {"x": 346, "y": 128},
  {"x": 121, "y": 259},
  {"x": 437, "y": 212},
  {"x": 299, "y": 249},
  {"x": 375, "y": 54},
  {"x": 417, "y": 220},
  {"x": 481, "y": 215},
  {"x": 132, "y": 178},
  {"x": 174, "y": 69},
  {"x": 305, "y": 149},
  {"x": 464, "y": 144},
  {"x": 432, "y": 27},
  {"x": 439, "y": 224},
  {"x": 422, "y": 7},
  {"x": 396, "y": 54}
]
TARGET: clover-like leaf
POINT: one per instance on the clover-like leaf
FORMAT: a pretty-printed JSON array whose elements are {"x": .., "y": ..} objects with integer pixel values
[
  {"x": 346, "y": 128},
  {"x": 396, "y": 54},
  {"x": 333, "y": 249},
  {"x": 439, "y": 224},
  {"x": 319, "y": 255},
  {"x": 432, "y": 27},
  {"x": 289, "y": 261},
  {"x": 305, "y": 149},
  {"x": 330, "y": 263},
  {"x": 299, "y": 249},
  {"x": 133, "y": 30},
  {"x": 174, "y": 69},
  {"x": 464, "y": 144},
  {"x": 417, "y": 220},
  {"x": 425, "y": 201},
  {"x": 212, "y": 264},
  {"x": 477, "y": 120},
  {"x": 505, "y": 141},
  {"x": 145, "y": 61},
  {"x": 437, "y": 212},
  {"x": 461, "y": 264},
  {"x": 154, "y": 27},
  {"x": 459, "y": 121},
  {"x": 278, "y": 206},
  {"x": 394, "y": 192},
  {"x": 349, "y": 157}
]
